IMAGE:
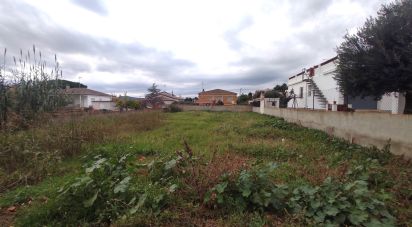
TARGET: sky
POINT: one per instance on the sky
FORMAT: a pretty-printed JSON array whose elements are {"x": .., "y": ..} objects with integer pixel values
[{"x": 119, "y": 46}]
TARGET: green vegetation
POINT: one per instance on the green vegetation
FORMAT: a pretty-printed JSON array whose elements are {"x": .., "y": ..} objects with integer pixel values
[
  {"x": 28, "y": 90},
  {"x": 377, "y": 59},
  {"x": 217, "y": 169}
]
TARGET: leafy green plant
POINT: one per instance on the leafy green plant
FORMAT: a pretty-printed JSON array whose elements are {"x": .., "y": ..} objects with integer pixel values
[
  {"x": 104, "y": 192},
  {"x": 336, "y": 203},
  {"x": 252, "y": 189}
]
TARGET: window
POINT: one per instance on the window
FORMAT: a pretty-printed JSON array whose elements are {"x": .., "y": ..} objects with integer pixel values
[
  {"x": 301, "y": 92},
  {"x": 92, "y": 99},
  {"x": 229, "y": 99},
  {"x": 310, "y": 90}
]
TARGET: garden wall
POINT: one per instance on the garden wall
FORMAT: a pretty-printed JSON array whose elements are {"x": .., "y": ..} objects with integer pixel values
[
  {"x": 235, "y": 108},
  {"x": 363, "y": 128}
]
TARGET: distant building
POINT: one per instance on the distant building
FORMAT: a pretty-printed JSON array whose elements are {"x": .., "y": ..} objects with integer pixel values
[
  {"x": 317, "y": 88},
  {"x": 169, "y": 98},
  {"x": 212, "y": 97},
  {"x": 86, "y": 98}
]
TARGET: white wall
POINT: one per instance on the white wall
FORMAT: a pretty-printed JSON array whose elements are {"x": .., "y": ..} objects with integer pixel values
[
  {"x": 91, "y": 98},
  {"x": 87, "y": 100},
  {"x": 385, "y": 104},
  {"x": 98, "y": 105},
  {"x": 323, "y": 78}
]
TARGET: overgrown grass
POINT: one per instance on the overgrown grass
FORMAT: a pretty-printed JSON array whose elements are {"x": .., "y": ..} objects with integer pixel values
[
  {"x": 26, "y": 157},
  {"x": 235, "y": 169}
]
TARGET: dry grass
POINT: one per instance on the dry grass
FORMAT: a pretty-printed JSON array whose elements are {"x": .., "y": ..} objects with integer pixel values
[
  {"x": 202, "y": 177},
  {"x": 316, "y": 174},
  {"x": 26, "y": 157}
]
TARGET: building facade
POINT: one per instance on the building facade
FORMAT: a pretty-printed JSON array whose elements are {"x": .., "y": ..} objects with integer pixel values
[
  {"x": 169, "y": 98},
  {"x": 316, "y": 88},
  {"x": 87, "y": 98},
  {"x": 212, "y": 97}
]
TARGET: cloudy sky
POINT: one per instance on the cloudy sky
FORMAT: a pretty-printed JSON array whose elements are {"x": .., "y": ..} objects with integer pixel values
[{"x": 118, "y": 46}]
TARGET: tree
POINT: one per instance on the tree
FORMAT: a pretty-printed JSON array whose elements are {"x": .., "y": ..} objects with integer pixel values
[
  {"x": 188, "y": 100},
  {"x": 250, "y": 96},
  {"x": 133, "y": 104},
  {"x": 378, "y": 58},
  {"x": 279, "y": 91},
  {"x": 283, "y": 95},
  {"x": 257, "y": 94},
  {"x": 243, "y": 99},
  {"x": 153, "y": 98}
]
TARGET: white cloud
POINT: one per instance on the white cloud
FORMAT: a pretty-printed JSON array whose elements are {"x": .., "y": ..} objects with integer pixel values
[{"x": 114, "y": 45}]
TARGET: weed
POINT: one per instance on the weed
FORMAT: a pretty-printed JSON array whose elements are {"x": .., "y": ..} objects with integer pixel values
[{"x": 335, "y": 203}]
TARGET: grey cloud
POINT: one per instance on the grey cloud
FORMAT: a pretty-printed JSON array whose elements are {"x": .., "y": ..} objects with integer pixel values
[
  {"x": 24, "y": 26},
  {"x": 96, "y": 6},
  {"x": 231, "y": 36},
  {"x": 74, "y": 67},
  {"x": 305, "y": 10}
]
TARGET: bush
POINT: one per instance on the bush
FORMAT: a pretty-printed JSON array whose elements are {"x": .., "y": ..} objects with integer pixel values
[{"x": 173, "y": 108}]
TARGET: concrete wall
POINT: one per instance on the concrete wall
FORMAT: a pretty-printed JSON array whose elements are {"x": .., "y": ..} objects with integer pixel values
[
  {"x": 235, "y": 108},
  {"x": 364, "y": 128}
]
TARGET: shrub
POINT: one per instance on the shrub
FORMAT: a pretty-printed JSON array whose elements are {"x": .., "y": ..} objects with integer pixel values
[{"x": 173, "y": 108}]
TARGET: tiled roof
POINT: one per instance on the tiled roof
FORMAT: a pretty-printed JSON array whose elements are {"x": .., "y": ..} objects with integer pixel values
[
  {"x": 168, "y": 97},
  {"x": 83, "y": 91},
  {"x": 217, "y": 92}
]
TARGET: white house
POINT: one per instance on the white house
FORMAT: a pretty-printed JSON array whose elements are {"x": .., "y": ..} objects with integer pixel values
[
  {"x": 169, "y": 98},
  {"x": 316, "y": 88},
  {"x": 85, "y": 98}
]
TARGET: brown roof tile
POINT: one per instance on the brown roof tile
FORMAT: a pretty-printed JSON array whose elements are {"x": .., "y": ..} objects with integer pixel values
[{"x": 217, "y": 92}]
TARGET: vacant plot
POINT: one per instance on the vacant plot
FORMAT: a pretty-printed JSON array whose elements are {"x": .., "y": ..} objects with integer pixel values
[{"x": 218, "y": 169}]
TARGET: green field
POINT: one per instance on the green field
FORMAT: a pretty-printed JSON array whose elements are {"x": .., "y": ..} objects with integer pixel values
[{"x": 208, "y": 169}]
